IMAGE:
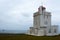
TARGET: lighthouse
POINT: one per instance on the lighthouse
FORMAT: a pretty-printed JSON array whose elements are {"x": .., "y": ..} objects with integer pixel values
[{"x": 42, "y": 24}]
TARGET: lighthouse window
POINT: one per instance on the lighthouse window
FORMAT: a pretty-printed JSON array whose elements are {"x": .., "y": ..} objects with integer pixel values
[
  {"x": 54, "y": 30},
  {"x": 47, "y": 16},
  {"x": 49, "y": 30},
  {"x": 45, "y": 23}
]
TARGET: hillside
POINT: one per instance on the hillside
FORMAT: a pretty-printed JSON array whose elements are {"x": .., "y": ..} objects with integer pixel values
[{"x": 27, "y": 37}]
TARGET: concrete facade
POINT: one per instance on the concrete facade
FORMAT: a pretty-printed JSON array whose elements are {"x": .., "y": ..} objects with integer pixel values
[{"x": 42, "y": 24}]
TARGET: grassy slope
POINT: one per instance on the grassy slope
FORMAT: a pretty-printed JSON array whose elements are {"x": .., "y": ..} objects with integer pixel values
[{"x": 27, "y": 37}]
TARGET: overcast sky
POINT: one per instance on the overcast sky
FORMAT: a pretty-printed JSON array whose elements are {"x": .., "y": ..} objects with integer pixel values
[{"x": 18, "y": 14}]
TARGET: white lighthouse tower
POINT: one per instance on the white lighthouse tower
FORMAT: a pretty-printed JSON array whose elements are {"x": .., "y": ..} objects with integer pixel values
[{"x": 42, "y": 24}]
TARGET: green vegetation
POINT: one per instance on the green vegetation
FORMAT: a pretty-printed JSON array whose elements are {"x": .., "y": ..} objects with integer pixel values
[{"x": 27, "y": 37}]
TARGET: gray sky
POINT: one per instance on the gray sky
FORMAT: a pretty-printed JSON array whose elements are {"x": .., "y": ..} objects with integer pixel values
[{"x": 18, "y": 14}]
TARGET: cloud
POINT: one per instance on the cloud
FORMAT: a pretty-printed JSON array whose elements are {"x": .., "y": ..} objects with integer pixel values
[
  {"x": 18, "y": 14},
  {"x": 15, "y": 14}
]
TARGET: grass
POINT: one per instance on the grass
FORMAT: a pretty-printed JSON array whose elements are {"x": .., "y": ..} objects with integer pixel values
[{"x": 27, "y": 37}]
